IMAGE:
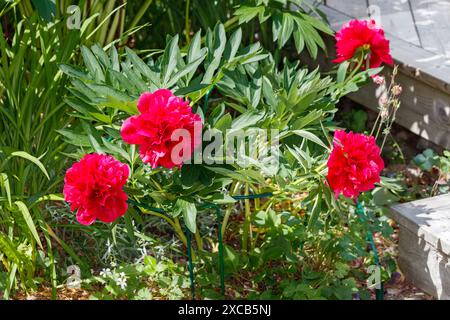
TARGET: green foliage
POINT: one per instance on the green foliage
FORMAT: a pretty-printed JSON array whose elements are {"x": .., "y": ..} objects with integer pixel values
[
  {"x": 294, "y": 260},
  {"x": 148, "y": 280},
  {"x": 102, "y": 21},
  {"x": 268, "y": 21},
  {"x": 426, "y": 160},
  {"x": 437, "y": 165},
  {"x": 45, "y": 8},
  {"x": 32, "y": 110},
  {"x": 289, "y": 18},
  {"x": 444, "y": 162},
  {"x": 19, "y": 238},
  {"x": 356, "y": 120}
]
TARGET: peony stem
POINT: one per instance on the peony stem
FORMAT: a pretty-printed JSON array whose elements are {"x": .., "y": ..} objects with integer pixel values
[
  {"x": 358, "y": 66},
  {"x": 234, "y": 187},
  {"x": 175, "y": 224},
  {"x": 180, "y": 233},
  {"x": 375, "y": 125},
  {"x": 247, "y": 230},
  {"x": 186, "y": 23},
  {"x": 199, "y": 240}
]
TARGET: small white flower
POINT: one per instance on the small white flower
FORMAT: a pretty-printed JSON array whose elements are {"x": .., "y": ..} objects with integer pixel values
[
  {"x": 105, "y": 273},
  {"x": 122, "y": 283},
  {"x": 113, "y": 264}
]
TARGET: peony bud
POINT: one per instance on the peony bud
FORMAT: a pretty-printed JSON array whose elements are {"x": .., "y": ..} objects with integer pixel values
[
  {"x": 379, "y": 80},
  {"x": 397, "y": 90},
  {"x": 384, "y": 113},
  {"x": 383, "y": 101}
]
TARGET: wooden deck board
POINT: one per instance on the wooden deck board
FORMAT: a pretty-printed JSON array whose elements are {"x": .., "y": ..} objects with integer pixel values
[
  {"x": 424, "y": 244},
  {"x": 353, "y": 9},
  {"x": 432, "y": 18},
  {"x": 396, "y": 18}
]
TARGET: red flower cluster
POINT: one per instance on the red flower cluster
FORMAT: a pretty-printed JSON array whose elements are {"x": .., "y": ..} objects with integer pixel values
[
  {"x": 363, "y": 34},
  {"x": 162, "y": 114},
  {"x": 93, "y": 186},
  {"x": 354, "y": 165}
]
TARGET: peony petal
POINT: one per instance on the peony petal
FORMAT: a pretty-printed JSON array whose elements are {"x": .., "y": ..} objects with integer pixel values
[
  {"x": 129, "y": 130},
  {"x": 85, "y": 218},
  {"x": 153, "y": 102}
]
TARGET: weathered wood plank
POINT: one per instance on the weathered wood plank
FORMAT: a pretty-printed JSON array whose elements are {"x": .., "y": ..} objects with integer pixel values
[
  {"x": 356, "y": 9},
  {"x": 432, "y": 19},
  {"x": 396, "y": 18},
  {"x": 424, "y": 244},
  {"x": 394, "y": 15},
  {"x": 423, "y": 265},
  {"x": 429, "y": 218}
]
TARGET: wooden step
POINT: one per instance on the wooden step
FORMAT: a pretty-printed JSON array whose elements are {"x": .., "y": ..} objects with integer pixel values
[{"x": 424, "y": 243}]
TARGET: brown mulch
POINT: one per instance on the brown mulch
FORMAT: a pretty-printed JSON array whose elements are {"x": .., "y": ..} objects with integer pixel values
[{"x": 45, "y": 293}]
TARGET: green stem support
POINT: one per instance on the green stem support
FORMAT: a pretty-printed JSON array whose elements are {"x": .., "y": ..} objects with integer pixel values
[{"x": 379, "y": 293}]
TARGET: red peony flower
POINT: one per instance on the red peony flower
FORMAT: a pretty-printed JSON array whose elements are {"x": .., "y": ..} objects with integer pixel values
[
  {"x": 93, "y": 186},
  {"x": 364, "y": 34},
  {"x": 354, "y": 165},
  {"x": 162, "y": 115}
]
